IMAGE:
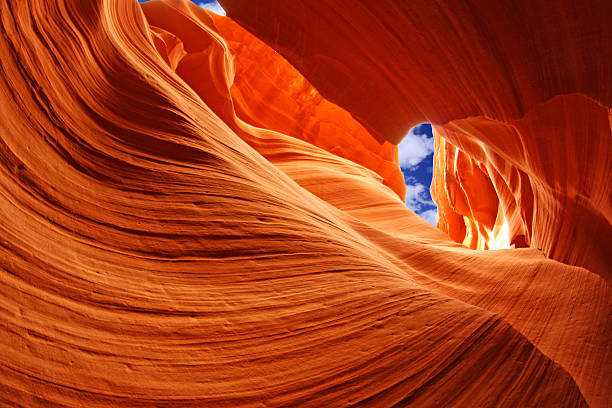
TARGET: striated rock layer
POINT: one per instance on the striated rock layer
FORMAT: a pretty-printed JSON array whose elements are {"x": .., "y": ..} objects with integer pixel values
[
  {"x": 185, "y": 221},
  {"x": 521, "y": 87}
]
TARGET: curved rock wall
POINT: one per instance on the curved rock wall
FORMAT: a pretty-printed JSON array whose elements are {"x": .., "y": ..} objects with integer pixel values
[
  {"x": 521, "y": 87},
  {"x": 164, "y": 243}
]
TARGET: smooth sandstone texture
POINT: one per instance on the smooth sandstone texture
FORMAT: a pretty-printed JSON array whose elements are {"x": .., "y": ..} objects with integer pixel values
[
  {"x": 166, "y": 241},
  {"x": 522, "y": 87}
]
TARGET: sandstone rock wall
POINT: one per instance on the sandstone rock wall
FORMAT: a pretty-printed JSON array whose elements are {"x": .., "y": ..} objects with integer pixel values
[{"x": 167, "y": 241}]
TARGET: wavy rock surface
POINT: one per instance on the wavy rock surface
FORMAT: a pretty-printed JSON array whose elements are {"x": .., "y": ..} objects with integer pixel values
[
  {"x": 521, "y": 87},
  {"x": 172, "y": 234}
]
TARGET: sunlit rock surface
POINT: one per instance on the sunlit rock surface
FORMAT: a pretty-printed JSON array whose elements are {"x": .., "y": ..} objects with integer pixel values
[
  {"x": 185, "y": 221},
  {"x": 522, "y": 87}
]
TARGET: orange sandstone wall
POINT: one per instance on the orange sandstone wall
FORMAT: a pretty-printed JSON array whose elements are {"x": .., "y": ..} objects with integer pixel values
[
  {"x": 522, "y": 87},
  {"x": 269, "y": 92},
  {"x": 165, "y": 244}
]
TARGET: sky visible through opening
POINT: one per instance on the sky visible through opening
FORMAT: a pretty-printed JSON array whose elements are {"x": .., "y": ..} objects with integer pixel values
[
  {"x": 211, "y": 5},
  {"x": 415, "y": 155},
  {"x": 416, "y": 162}
]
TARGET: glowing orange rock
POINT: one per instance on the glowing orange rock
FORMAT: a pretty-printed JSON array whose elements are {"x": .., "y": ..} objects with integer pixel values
[
  {"x": 532, "y": 107},
  {"x": 159, "y": 247}
]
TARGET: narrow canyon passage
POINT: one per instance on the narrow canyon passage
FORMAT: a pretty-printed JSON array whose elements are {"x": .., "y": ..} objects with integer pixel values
[{"x": 199, "y": 210}]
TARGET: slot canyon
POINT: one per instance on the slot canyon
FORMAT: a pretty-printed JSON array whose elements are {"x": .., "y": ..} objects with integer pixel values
[{"x": 199, "y": 210}]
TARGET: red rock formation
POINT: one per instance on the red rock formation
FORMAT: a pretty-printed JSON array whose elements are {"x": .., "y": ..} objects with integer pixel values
[
  {"x": 164, "y": 242},
  {"x": 268, "y": 92},
  {"x": 521, "y": 87}
]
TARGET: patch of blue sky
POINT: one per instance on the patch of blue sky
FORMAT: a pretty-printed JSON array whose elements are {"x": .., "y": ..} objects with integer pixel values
[
  {"x": 213, "y": 6},
  {"x": 416, "y": 163}
]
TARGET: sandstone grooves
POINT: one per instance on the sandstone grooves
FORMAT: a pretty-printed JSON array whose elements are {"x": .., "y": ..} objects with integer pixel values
[
  {"x": 187, "y": 221},
  {"x": 522, "y": 87}
]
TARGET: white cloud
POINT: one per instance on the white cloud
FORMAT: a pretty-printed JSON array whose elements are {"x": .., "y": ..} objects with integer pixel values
[
  {"x": 414, "y": 148},
  {"x": 418, "y": 201},
  {"x": 416, "y": 197},
  {"x": 431, "y": 216},
  {"x": 215, "y": 7}
]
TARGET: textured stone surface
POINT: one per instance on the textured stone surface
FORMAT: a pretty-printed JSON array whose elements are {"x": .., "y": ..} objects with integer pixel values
[
  {"x": 522, "y": 87},
  {"x": 173, "y": 235}
]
